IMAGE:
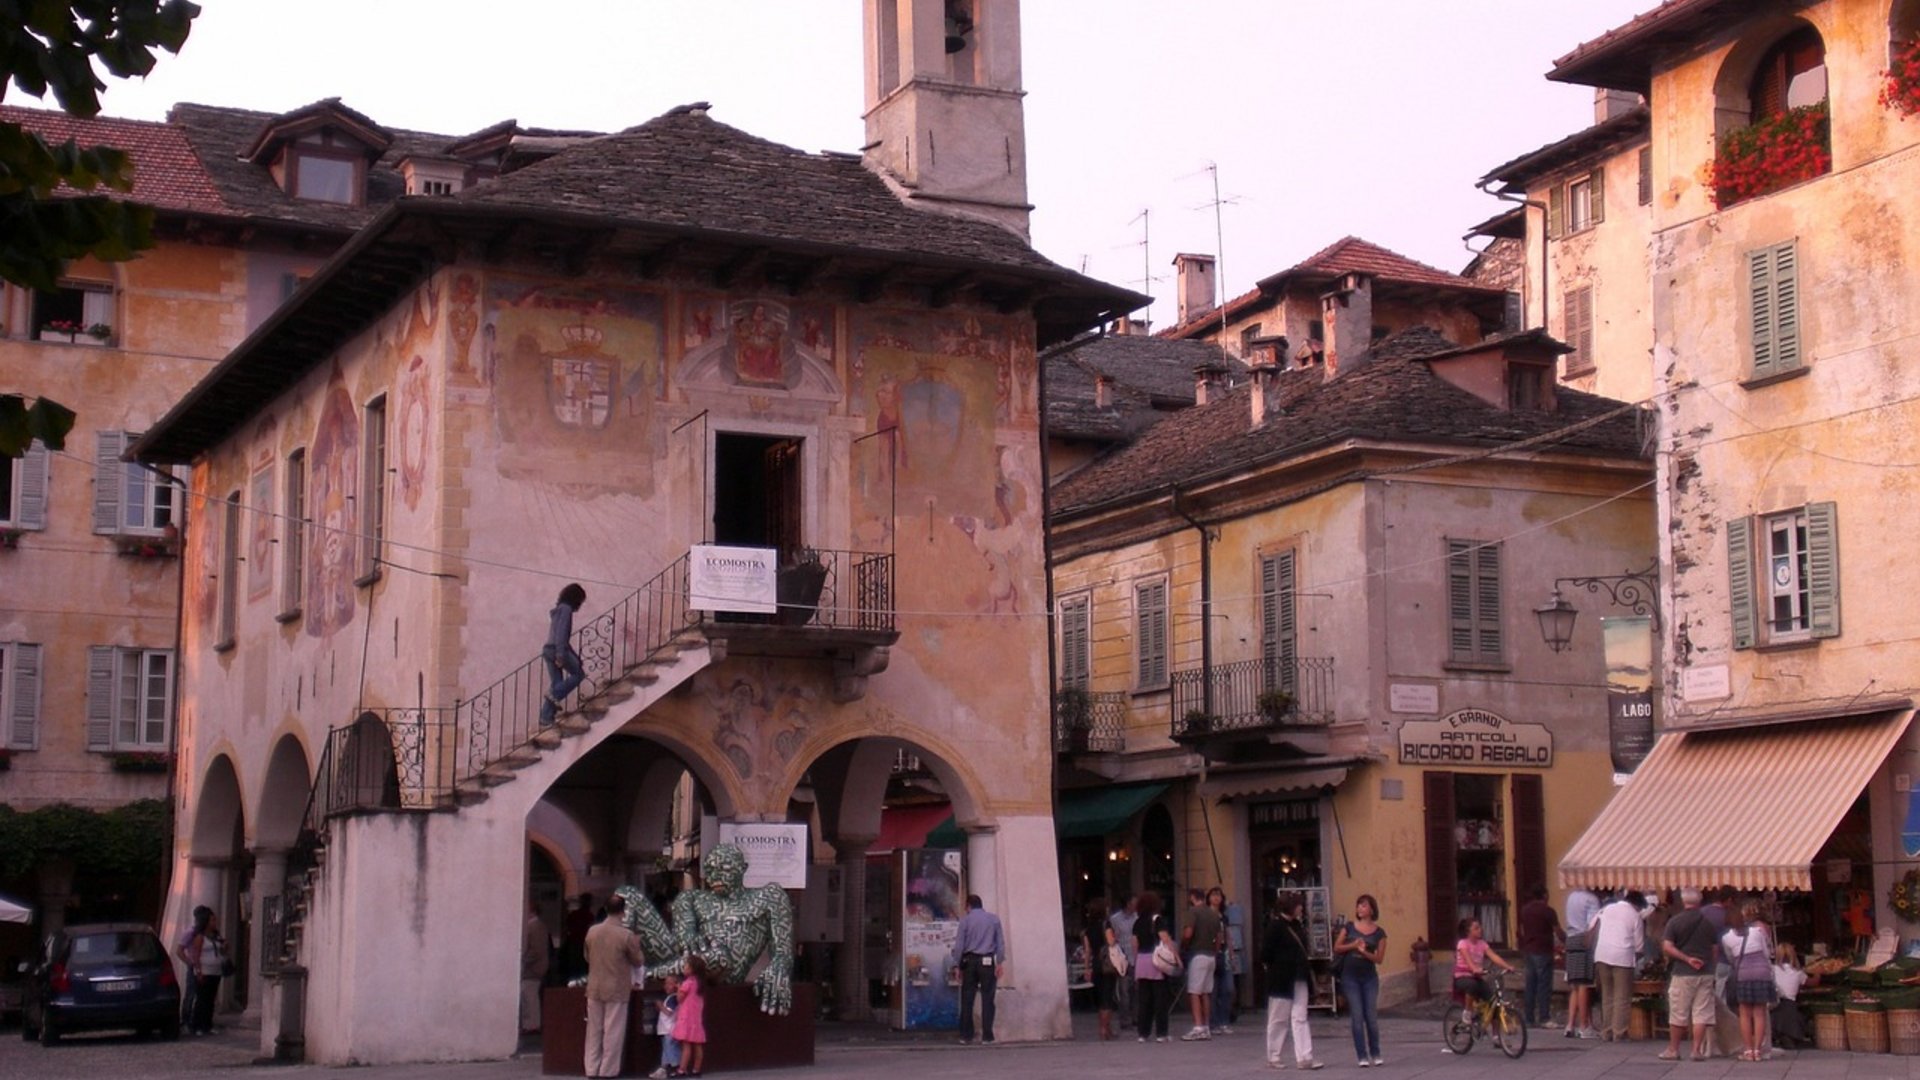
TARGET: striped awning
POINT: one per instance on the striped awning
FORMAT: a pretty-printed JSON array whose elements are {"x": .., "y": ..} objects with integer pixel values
[{"x": 1745, "y": 807}]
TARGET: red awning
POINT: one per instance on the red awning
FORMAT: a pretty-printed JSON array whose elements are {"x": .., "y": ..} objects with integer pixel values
[{"x": 903, "y": 828}]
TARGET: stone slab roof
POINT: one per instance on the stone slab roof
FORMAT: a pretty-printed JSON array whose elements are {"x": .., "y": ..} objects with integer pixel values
[
  {"x": 167, "y": 174},
  {"x": 1394, "y": 396},
  {"x": 1151, "y": 377},
  {"x": 1623, "y": 58},
  {"x": 1633, "y": 125}
]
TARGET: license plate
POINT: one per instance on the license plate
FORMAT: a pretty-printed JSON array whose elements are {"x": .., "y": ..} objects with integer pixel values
[{"x": 117, "y": 986}]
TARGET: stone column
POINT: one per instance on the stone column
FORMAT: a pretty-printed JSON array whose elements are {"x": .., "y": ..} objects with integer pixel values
[
  {"x": 850, "y": 965},
  {"x": 269, "y": 879}
]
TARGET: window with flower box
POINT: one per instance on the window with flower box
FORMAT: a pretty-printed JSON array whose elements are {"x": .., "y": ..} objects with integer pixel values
[
  {"x": 75, "y": 313},
  {"x": 128, "y": 499}
]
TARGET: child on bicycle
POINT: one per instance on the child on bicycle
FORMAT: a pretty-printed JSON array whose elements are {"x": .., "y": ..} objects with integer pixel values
[{"x": 1471, "y": 955}]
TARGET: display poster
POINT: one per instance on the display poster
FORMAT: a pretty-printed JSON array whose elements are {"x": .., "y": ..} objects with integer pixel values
[
  {"x": 731, "y": 579},
  {"x": 1630, "y": 722},
  {"x": 776, "y": 853},
  {"x": 933, "y": 901}
]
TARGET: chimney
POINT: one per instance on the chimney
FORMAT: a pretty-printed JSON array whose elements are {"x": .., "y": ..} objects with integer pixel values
[
  {"x": 1128, "y": 326},
  {"x": 1265, "y": 383},
  {"x": 1346, "y": 313},
  {"x": 1608, "y": 104},
  {"x": 1193, "y": 277},
  {"x": 1209, "y": 382},
  {"x": 1103, "y": 391}
]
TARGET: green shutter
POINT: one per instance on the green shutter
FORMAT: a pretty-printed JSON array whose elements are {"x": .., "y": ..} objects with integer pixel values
[
  {"x": 21, "y": 664},
  {"x": 1150, "y": 623},
  {"x": 101, "y": 665},
  {"x": 1786, "y": 307},
  {"x": 1279, "y": 626},
  {"x": 1460, "y": 599},
  {"x": 1486, "y": 602},
  {"x": 1740, "y": 580},
  {"x": 1075, "y": 663},
  {"x": 1823, "y": 570},
  {"x": 1597, "y": 197},
  {"x": 1760, "y": 311},
  {"x": 1556, "y": 211}
]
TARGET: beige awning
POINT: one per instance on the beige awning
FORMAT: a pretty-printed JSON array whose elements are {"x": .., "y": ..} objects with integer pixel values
[
  {"x": 1272, "y": 782},
  {"x": 1747, "y": 808}
]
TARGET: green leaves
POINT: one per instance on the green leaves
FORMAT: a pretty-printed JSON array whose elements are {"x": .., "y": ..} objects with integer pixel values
[
  {"x": 20, "y": 424},
  {"x": 53, "y": 44},
  {"x": 130, "y": 839}
]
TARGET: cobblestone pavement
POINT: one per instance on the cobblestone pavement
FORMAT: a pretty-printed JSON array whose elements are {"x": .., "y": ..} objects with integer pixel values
[{"x": 1412, "y": 1044}]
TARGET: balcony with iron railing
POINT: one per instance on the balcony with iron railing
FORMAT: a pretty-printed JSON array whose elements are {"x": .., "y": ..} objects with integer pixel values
[
  {"x": 1255, "y": 699},
  {"x": 1089, "y": 721}
]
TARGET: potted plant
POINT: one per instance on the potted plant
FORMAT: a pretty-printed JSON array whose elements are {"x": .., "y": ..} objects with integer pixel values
[
  {"x": 1197, "y": 722},
  {"x": 59, "y": 330},
  {"x": 142, "y": 761},
  {"x": 1775, "y": 152},
  {"x": 1900, "y": 86},
  {"x": 1275, "y": 705},
  {"x": 99, "y": 331},
  {"x": 9, "y": 539},
  {"x": 797, "y": 587},
  {"x": 1073, "y": 711}
]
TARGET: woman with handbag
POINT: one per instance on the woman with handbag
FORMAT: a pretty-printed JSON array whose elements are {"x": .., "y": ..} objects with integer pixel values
[
  {"x": 210, "y": 960},
  {"x": 1750, "y": 990},
  {"x": 1156, "y": 962},
  {"x": 1283, "y": 952},
  {"x": 1358, "y": 952}
]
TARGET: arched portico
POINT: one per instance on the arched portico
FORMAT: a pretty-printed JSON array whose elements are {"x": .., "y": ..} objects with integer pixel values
[{"x": 220, "y": 867}]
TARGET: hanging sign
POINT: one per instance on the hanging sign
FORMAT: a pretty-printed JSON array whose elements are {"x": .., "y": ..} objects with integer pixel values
[
  {"x": 1475, "y": 737},
  {"x": 1630, "y": 728},
  {"x": 731, "y": 579}
]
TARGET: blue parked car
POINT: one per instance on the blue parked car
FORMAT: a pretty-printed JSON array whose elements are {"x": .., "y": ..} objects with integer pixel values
[{"x": 102, "y": 976}]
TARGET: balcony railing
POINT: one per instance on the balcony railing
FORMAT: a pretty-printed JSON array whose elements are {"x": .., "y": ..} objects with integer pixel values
[
  {"x": 1252, "y": 695},
  {"x": 1089, "y": 720},
  {"x": 832, "y": 590}
]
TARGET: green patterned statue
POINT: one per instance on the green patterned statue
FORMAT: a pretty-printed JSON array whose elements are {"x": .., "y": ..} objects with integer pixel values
[{"x": 725, "y": 924}]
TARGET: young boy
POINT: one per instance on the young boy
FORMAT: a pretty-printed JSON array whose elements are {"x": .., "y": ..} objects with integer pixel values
[{"x": 669, "y": 1046}]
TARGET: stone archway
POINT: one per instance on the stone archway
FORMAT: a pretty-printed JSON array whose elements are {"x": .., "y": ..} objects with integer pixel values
[
  {"x": 220, "y": 869},
  {"x": 279, "y": 817}
]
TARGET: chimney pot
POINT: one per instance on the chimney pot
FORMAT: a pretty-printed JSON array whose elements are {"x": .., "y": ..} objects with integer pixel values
[
  {"x": 1208, "y": 381},
  {"x": 1102, "y": 391},
  {"x": 1347, "y": 321},
  {"x": 1193, "y": 278}
]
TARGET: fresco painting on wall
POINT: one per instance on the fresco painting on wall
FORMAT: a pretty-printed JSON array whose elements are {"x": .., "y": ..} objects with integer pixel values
[
  {"x": 203, "y": 585},
  {"x": 760, "y": 714},
  {"x": 415, "y": 403},
  {"x": 463, "y": 320},
  {"x": 334, "y": 465},
  {"x": 260, "y": 522},
  {"x": 577, "y": 372},
  {"x": 777, "y": 349}
]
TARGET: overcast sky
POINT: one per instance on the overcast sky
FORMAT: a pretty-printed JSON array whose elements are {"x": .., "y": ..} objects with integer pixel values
[{"x": 1367, "y": 117}]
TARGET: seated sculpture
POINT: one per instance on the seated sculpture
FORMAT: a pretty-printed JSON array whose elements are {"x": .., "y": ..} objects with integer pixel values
[{"x": 726, "y": 925}]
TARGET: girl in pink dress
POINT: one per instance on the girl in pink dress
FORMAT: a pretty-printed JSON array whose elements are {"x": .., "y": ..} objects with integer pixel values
[{"x": 690, "y": 1023}]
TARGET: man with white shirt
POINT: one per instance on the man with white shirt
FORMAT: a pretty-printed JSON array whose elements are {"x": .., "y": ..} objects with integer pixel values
[{"x": 1617, "y": 937}]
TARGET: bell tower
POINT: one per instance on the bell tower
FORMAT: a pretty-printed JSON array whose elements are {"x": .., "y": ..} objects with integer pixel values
[{"x": 944, "y": 119}]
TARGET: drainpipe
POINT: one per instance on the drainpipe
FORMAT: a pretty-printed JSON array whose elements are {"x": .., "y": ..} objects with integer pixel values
[
  {"x": 1546, "y": 229},
  {"x": 179, "y": 662},
  {"x": 1206, "y": 604}
]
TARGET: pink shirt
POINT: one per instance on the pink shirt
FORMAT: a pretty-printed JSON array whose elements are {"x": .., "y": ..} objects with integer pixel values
[{"x": 1469, "y": 957}]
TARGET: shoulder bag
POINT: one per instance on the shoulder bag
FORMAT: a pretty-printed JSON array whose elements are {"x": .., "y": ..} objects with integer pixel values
[{"x": 1732, "y": 992}]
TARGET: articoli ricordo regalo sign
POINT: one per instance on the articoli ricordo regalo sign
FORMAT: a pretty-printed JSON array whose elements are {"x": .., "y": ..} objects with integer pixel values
[{"x": 1475, "y": 737}]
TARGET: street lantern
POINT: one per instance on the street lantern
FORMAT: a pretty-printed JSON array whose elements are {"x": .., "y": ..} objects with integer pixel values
[{"x": 1556, "y": 622}]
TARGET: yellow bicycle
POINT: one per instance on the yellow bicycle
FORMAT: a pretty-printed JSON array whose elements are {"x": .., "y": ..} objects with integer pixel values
[{"x": 1497, "y": 1017}]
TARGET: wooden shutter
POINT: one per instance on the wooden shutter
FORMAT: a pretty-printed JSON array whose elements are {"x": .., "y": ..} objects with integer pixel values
[
  {"x": 108, "y": 483},
  {"x": 33, "y": 488},
  {"x": 1075, "y": 632},
  {"x": 1597, "y": 197},
  {"x": 21, "y": 665},
  {"x": 1646, "y": 175},
  {"x": 1556, "y": 211},
  {"x": 1443, "y": 904},
  {"x": 101, "y": 663},
  {"x": 1583, "y": 326},
  {"x": 1786, "y": 307},
  {"x": 1823, "y": 570},
  {"x": 1491, "y": 642},
  {"x": 1529, "y": 833},
  {"x": 1460, "y": 599},
  {"x": 1740, "y": 580},
  {"x": 1279, "y": 622},
  {"x": 1150, "y": 616}
]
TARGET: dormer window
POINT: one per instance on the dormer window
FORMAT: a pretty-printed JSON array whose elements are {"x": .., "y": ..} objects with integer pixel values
[
  {"x": 431, "y": 177},
  {"x": 321, "y": 152},
  {"x": 1529, "y": 386},
  {"x": 324, "y": 177}
]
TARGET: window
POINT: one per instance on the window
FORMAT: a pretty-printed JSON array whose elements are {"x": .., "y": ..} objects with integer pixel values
[
  {"x": 23, "y": 490},
  {"x": 20, "y": 694},
  {"x": 1792, "y": 74},
  {"x": 1076, "y": 649},
  {"x": 1473, "y": 602},
  {"x": 1150, "y": 634},
  {"x": 290, "y": 283},
  {"x": 1527, "y": 387},
  {"x": 1577, "y": 205},
  {"x": 1576, "y": 329},
  {"x": 293, "y": 537},
  {"x": 229, "y": 573},
  {"x": 1773, "y": 310},
  {"x": 1799, "y": 553},
  {"x": 1248, "y": 335},
  {"x": 436, "y": 187},
  {"x": 128, "y": 499},
  {"x": 373, "y": 489},
  {"x": 325, "y": 179},
  {"x": 1278, "y": 624},
  {"x": 1646, "y": 175},
  {"x": 129, "y": 698},
  {"x": 81, "y": 312}
]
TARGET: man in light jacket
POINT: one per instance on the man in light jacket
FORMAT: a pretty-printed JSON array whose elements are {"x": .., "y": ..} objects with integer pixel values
[{"x": 1617, "y": 938}]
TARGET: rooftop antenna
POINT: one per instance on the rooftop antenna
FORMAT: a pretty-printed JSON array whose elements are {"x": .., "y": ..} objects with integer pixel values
[
  {"x": 1219, "y": 244},
  {"x": 1147, "y": 278}
]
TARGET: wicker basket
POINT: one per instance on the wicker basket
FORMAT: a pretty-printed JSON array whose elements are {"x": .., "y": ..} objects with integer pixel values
[
  {"x": 1903, "y": 1031},
  {"x": 1640, "y": 1023},
  {"x": 1830, "y": 1031},
  {"x": 1866, "y": 1030}
]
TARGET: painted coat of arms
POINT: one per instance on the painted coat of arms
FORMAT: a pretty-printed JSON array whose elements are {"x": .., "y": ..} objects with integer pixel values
[{"x": 580, "y": 379}]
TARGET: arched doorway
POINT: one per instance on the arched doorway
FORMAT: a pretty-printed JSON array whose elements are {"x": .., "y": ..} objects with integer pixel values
[
  {"x": 278, "y": 820},
  {"x": 222, "y": 871}
]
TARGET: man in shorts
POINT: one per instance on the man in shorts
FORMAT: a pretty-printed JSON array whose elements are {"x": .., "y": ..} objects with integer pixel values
[
  {"x": 1203, "y": 930},
  {"x": 1583, "y": 907},
  {"x": 1689, "y": 944}
]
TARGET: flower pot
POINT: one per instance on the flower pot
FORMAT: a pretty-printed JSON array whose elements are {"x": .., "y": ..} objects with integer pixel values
[{"x": 798, "y": 588}]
